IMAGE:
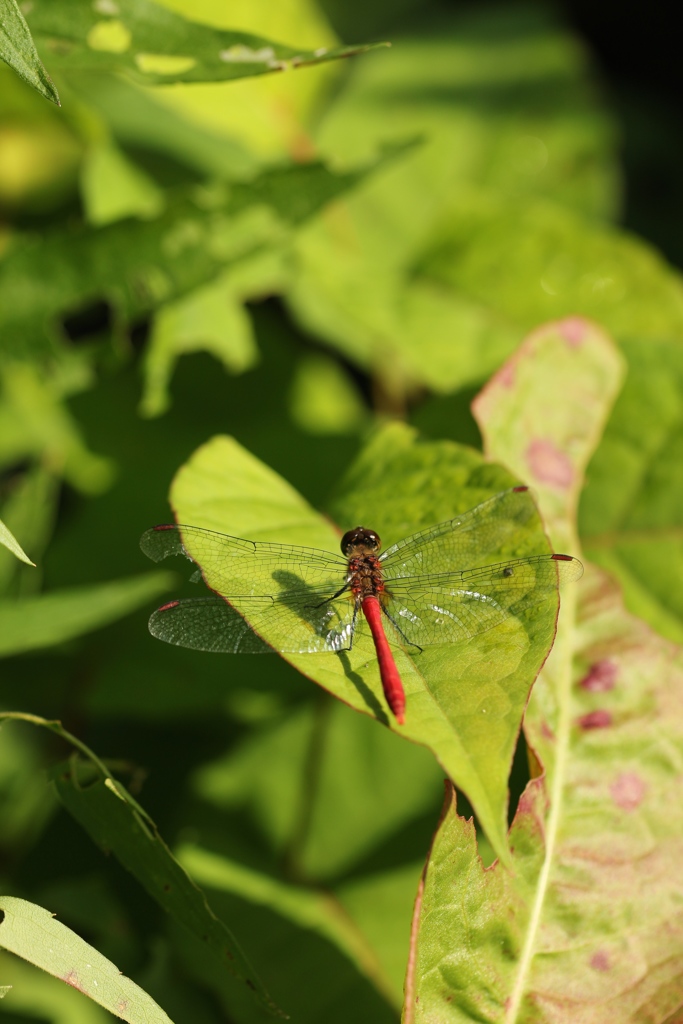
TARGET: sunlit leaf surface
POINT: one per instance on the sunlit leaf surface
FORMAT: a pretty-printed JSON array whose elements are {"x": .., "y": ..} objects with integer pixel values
[{"x": 466, "y": 696}]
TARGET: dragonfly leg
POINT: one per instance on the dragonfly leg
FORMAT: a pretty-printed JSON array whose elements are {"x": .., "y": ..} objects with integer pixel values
[
  {"x": 333, "y": 598},
  {"x": 353, "y": 623},
  {"x": 398, "y": 629}
]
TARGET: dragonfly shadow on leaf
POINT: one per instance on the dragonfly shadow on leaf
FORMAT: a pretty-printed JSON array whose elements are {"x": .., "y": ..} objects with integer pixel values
[{"x": 372, "y": 701}]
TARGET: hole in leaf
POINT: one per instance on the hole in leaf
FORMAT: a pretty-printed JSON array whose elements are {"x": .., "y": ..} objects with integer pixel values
[{"x": 92, "y": 319}]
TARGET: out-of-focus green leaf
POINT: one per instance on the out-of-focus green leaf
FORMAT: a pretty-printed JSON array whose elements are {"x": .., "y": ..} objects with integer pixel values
[
  {"x": 306, "y": 907},
  {"x": 25, "y": 802},
  {"x": 596, "y": 893},
  {"x": 157, "y": 46},
  {"x": 324, "y": 399},
  {"x": 41, "y": 621},
  {"x": 324, "y": 786},
  {"x": 35, "y": 424},
  {"x": 137, "y": 118},
  {"x": 631, "y": 516},
  {"x": 501, "y": 100},
  {"x": 211, "y": 318},
  {"x": 270, "y": 116},
  {"x": 35, "y": 935},
  {"x": 465, "y": 700},
  {"x": 137, "y": 266},
  {"x": 114, "y": 188},
  {"x": 18, "y": 50},
  {"x": 538, "y": 261},
  {"x": 117, "y": 824},
  {"x": 381, "y": 906},
  {"x": 11, "y": 543},
  {"x": 29, "y": 511}
]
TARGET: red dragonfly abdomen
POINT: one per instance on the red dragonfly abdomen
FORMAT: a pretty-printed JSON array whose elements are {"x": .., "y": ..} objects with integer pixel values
[{"x": 391, "y": 680}]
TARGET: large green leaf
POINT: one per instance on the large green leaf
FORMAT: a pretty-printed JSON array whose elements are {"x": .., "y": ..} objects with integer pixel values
[
  {"x": 33, "y": 933},
  {"x": 596, "y": 892},
  {"x": 18, "y": 50},
  {"x": 465, "y": 700},
  {"x": 157, "y": 46}
]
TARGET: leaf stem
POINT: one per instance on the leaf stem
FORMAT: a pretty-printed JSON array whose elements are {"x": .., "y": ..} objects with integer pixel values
[{"x": 560, "y": 662}]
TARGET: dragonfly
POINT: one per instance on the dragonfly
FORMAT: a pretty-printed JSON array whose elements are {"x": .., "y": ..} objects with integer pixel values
[{"x": 437, "y": 586}]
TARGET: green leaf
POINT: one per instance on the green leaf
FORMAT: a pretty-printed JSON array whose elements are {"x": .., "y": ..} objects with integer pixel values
[
  {"x": 117, "y": 824},
  {"x": 509, "y": 122},
  {"x": 631, "y": 514},
  {"x": 114, "y": 188},
  {"x": 597, "y": 836},
  {"x": 156, "y": 46},
  {"x": 317, "y": 911},
  {"x": 36, "y": 622},
  {"x": 36, "y": 424},
  {"x": 368, "y": 785},
  {"x": 28, "y": 511},
  {"x": 324, "y": 399},
  {"x": 33, "y": 933},
  {"x": 212, "y": 319},
  {"x": 137, "y": 266},
  {"x": 466, "y": 699},
  {"x": 13, "y": 545},
  {"x": 18, "y": 50}
]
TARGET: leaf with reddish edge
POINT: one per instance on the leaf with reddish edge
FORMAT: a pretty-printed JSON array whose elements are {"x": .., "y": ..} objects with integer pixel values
[
  {"x": 465, "y": 699},
  {"x": 589, "y": 928}
]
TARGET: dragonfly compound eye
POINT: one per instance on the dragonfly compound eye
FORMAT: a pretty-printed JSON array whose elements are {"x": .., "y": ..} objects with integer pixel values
[{"x": 360, "y": 541}]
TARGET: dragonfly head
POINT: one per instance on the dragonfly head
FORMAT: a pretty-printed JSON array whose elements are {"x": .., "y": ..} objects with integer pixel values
[{"x": 360, "y": 541}]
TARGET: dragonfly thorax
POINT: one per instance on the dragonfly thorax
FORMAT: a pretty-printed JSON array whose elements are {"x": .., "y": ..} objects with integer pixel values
[{"x": 360, "y": 541}]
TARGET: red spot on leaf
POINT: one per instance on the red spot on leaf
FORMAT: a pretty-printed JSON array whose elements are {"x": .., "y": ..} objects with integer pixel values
[
  {"x": 548, "y": 464},
  {"x": 573, "y": 330},
  {"x": 546, "y": 731},
  {"x": 628, "y": 791},
  {"x": 595, "y": 720},
  {"x": 506, "y": 375},
  {"x": 171, "y": 604},
  {"x": 601, "y": 677},
  {"x": 600, "y": 961},
  {"x": 73, "y": 979}
]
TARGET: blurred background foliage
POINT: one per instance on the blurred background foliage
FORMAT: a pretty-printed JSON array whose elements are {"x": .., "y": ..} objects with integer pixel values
[{"x": 285, "y": 258}]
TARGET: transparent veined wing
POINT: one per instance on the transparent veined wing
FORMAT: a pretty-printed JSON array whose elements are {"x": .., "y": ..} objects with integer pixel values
[
  {"x": 440, "y": 608},
  {"x": 275, "y": 594},
  {"x": 212, "y": 624},
  {"x": 467, "y": 540}
]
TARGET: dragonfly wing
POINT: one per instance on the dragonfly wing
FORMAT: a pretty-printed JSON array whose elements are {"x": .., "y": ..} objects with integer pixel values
[
  {"x": 233, "y": 566},
  {"x": 211, "y": 624},
  {"x": 284, "y": 593},
  {"x": 489, "y": 530},
  {"x": 448, "y": 607}
]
